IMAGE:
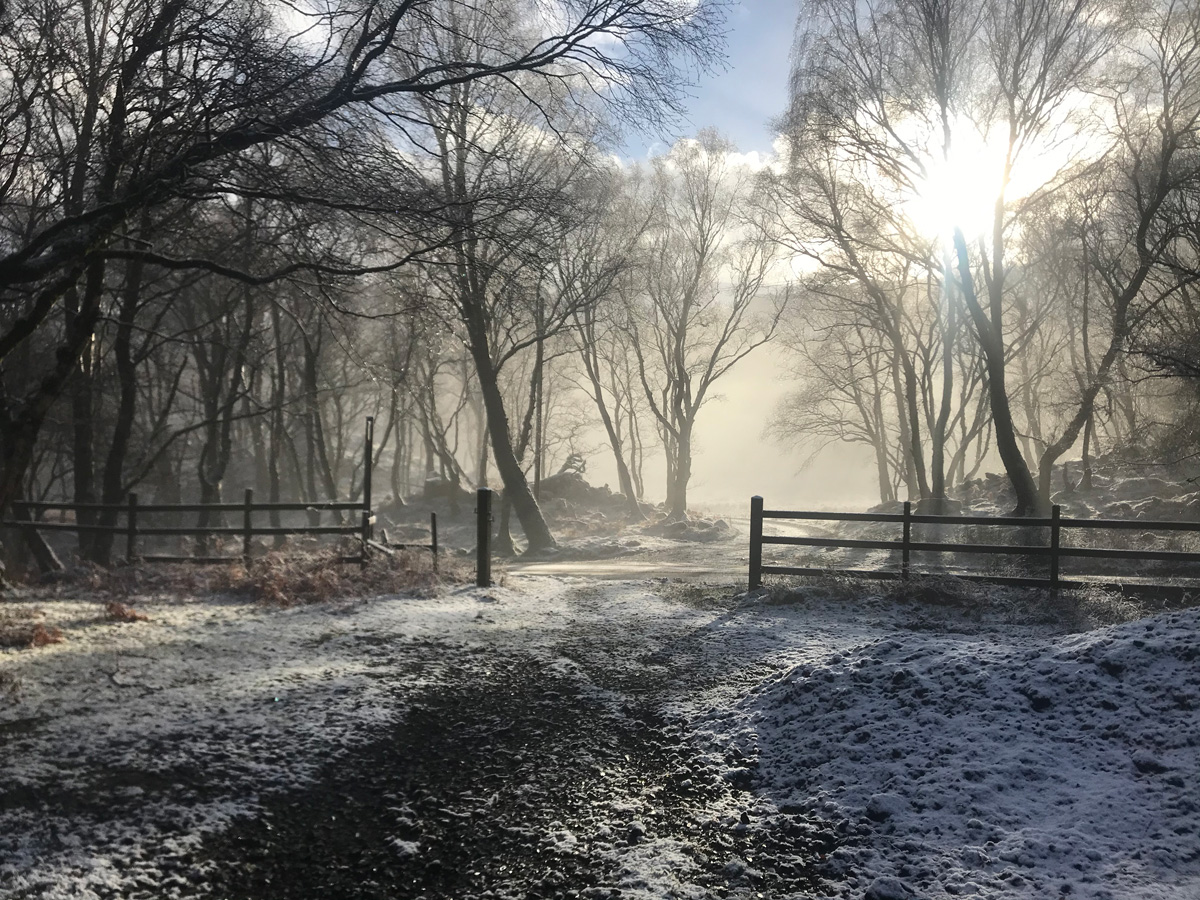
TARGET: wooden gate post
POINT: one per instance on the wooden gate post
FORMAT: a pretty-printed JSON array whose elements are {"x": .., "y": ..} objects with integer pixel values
[
  {"x": 756, "y": 529},
  {"x": 131, "y": 529},
  {"x": 1055, "y": 533},
  {"x": 368, "y": 463},
  {"x": 905, "y": 548},
  {"x": 483, "y": 547},
  {"x": 247, "y": 531}
]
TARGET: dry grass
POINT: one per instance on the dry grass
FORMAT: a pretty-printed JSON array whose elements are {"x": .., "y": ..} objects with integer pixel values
[
  {"x": 275, "y": 579},
  {"x": 21, "y": 628},
  {"x": 946, "y": 598},
  {"x": 285, "y": 581},
  {"x": 119, "y": 612}
]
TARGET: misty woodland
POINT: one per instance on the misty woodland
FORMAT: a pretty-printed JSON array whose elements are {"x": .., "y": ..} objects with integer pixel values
[{"x": 232, "y": 232}]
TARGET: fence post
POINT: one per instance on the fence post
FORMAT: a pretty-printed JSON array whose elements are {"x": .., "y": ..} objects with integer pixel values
[
  {"x": 756, "y": 528},
  {"x": 907, "y": 540},
  {"x": 483, "y": 547},
  {"x": 433, "y": 538},
  {"x": 131, "y": 529},
  {"x": 247, "y": 532},
  {"x": 368, "y": 461},
  {"x": 1055, "y": 533}
]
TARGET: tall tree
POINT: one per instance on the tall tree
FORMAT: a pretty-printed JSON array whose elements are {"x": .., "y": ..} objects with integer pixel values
[
  {"x": 145, "y": 103},
  {"x": 1010, "y": 105},
  {"x": 707, "y": 262}
]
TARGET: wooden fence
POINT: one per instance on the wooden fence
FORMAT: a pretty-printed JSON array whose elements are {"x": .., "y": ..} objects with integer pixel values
[
  {"x": 132, "y": 524},
  {"x": 131, "y": 521},
  {"x": 1051, "y": 548}
]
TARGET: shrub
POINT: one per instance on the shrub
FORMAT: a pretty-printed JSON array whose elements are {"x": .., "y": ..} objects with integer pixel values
[
  {"x": 284, "y": 581},
  {"x": 17, "y": 629},
  {"x": 119, "y": 612}
]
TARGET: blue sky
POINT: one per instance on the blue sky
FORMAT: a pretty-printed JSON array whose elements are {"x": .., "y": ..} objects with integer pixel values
[{"x": 740, "y": 99}]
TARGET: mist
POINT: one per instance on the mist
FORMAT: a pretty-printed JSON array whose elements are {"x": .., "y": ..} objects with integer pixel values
[{"x": 911, "y": 289}]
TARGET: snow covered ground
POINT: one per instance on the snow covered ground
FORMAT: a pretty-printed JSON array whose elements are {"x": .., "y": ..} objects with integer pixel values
[
  {"x": 993, "y": 760},
  {"x": 979, "y": 747}
]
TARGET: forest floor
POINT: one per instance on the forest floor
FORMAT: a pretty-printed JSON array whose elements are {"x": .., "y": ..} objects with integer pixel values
[{"x": 567, "y": 736}]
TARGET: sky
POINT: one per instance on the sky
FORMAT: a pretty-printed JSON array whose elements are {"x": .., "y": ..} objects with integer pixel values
[{"x": 741, "y": 98}]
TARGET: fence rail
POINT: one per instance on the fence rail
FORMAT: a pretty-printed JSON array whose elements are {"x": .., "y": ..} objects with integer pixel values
[
  {"x": 1051, "y": 550},
  {"x": 361, "y": 526},
  {"x": 134, "y": 527}
]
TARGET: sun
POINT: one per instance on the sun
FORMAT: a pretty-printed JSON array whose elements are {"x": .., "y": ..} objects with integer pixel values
[{"x": 959, "y": 190}]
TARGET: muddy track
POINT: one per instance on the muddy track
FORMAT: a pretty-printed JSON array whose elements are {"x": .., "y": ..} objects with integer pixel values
[{"x": 522, "y": 776}]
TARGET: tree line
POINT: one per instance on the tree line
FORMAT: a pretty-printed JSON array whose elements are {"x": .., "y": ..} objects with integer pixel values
[
  {"x": 231, "y": 229},
  {"x": 1048, "y": 324}
]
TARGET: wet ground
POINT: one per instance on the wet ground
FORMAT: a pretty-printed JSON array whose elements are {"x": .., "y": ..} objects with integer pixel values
[
  {"x": 522, "y": 779},
  {"x": 514, "y": 770}
]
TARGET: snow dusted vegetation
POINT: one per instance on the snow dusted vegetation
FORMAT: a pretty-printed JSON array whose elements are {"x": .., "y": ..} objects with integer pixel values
[
  {"x": 997, "y": 761},
  {"x": 562, "y": 737}
]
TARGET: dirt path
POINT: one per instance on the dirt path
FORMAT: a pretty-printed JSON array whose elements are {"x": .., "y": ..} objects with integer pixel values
[
  {"x": 710, "y": 561},
  {"x": 547, "y": 774}
]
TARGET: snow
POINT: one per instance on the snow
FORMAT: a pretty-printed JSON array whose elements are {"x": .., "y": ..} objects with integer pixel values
[
  {"x": 955, "y": 751},
  {"x": 1000, "y": 763}
]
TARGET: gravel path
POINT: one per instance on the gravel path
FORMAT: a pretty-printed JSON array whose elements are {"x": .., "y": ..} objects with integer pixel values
[{"x": 545, "y": 774}]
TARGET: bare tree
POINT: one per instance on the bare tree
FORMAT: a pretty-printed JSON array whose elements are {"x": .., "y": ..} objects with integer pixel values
[
  {"x": 892, "y": 92},
  {"x": 707, "y": 261},
  {"x": 120, "y": 106},
  {"x": 505, "y": 173},
  {"x": 598, "y": 262}
]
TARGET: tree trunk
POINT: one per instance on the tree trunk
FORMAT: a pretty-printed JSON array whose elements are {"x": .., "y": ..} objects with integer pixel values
[
  {"x": 319, "y": 448},
  {"x": 937, "y": 473},
  {"x": 624, "y": 478},
  {"x": 83, "y": 422},
  {"x": 275, "y": 430},
  {"x": 908, "y": 468},
  {"x": 516, "y": 488},
  {"x": 502, "y": 542},
  {"x": 1028, "y": 500},
  {"x": 21, "y": 430},
  {"x": 1085, "y": 480},
  {"x": 677, "y": 508},
  {"x": 914, "y": 449},
  {"x": 882, "y": 466},
  {"x": 113, "y": 485}
]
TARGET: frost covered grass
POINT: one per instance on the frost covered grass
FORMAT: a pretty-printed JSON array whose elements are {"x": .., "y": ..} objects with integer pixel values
[
  {"x": 967, "y": 749},
  {"x": 940, "y": 740},
  {"x": 129, "y": 741}
]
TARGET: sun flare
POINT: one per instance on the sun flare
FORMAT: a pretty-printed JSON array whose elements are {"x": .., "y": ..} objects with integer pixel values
[{"x": 959, "y": 191}]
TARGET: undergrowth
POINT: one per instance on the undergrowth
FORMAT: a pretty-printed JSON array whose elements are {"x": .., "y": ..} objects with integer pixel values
[
  {"x": 21, "y": 628},
  {"x": 948, "y": 597},
  {"x": 285, "y": 581},
  {"x": 276, "y": 579},
  {"x": 119, "y": 612}
]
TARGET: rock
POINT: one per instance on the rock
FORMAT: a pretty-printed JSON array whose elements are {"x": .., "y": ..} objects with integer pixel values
[
  {"x": 888, "y": 888},
  {"x": 882, "y": 807},
  {"x": 938, "y": 506},
  {"x": 1148, "y": 764}
]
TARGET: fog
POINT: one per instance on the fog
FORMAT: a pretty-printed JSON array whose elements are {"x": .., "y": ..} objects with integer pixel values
[
  {"x": 188, "y": 312},
  {"x": 735, "y": 459}
]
